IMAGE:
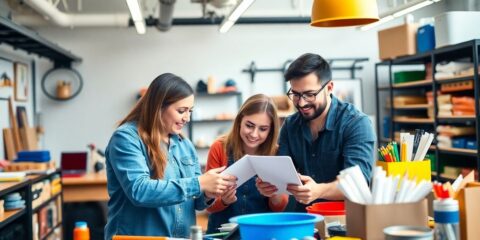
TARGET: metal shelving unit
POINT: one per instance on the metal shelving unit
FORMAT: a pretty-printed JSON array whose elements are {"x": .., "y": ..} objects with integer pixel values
[
  {"x": 449, "y": 53},
  {"x": 24, "y": 215}
]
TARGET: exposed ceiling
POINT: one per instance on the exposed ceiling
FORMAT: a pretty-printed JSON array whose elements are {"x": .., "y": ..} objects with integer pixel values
[
  {"x": 182, "y": 8},
  {"x": 187, "y": 8}
]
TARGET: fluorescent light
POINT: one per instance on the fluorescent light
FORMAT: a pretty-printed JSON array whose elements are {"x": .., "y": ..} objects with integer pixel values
[
  {"x": 239, "y": 9},
  {"x": 140, "y": 27},
  {"x": 229, "y": 21},
  {"x": 407, "y": 8},
  {"x": 226, "y": 26},
  {"x": 137, "y": 16},
  {"x": 135, "y": 11}
]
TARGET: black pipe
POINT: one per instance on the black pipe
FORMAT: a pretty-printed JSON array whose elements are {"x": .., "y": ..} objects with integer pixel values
[{"x": 150, "y": 21}]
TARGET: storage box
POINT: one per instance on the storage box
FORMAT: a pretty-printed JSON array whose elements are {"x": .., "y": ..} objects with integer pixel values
[
  {"x": 471, "y": 144},
  {"x": 459, "y": 142},
  {"x": 433, "y": 161},
  {"x": 368, "y": 221},
  {"x": 397, "y": 41},
  {"x": 408, "y": 76},
  {"x": 456, "y": 27},
  {"x": 408, "y": 99},
  {"x": 421, "y": 170},
  {"x": 469, "y": 204}
]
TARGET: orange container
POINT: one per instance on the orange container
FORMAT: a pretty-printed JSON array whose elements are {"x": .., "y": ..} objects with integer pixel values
[{"x": 81, "y": 231}]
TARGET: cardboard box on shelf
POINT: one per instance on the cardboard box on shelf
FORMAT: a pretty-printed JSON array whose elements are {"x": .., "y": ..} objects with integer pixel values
[
  {"x": 368, "y": 221},
  {"x": 408, "y": 100},
  {"x": 397, "y": 41}
]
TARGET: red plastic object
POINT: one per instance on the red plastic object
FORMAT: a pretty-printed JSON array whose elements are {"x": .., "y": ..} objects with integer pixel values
[{"x": 327, "y": 208}]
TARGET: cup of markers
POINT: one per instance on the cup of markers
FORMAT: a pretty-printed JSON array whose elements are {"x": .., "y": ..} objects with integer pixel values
[{"x": 411, "y": 148}]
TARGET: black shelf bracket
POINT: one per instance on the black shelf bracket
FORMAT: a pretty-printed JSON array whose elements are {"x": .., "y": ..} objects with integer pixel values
[
  {"x": 20, "y": 37},
  {"x": 252, "y": 69}
]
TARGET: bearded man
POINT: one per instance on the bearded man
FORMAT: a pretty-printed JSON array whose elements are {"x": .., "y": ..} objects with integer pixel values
[{"x": 323, "y": 137}]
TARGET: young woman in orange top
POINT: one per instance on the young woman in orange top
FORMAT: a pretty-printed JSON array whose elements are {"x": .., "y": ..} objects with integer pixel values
[{"x": 254, "y": 132}]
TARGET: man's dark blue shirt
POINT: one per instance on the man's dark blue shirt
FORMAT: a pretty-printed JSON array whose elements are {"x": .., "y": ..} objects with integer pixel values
[{"x": 347, "y": 139}]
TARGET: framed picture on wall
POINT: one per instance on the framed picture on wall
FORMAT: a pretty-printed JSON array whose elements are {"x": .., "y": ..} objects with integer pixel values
[
  {"x": 20, "y": 82},
  {"x": 349, "y": 90},
  {"x": 6, "y": 73}
]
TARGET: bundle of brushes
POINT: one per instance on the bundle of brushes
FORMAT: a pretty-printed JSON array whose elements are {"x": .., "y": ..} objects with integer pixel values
[{"x": 384, "y": 190}]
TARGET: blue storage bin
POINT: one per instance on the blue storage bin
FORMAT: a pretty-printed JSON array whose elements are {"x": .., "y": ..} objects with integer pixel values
[
  {"x": 279, "y": 226},
  {"x": 459, "y": 142},
  {"x": 425, "y": 38},
  {"x": 33, "y": 156},
  {"x": 471, "y": 144}
]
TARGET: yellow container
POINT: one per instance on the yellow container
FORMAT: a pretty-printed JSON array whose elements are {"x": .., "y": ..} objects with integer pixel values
[{"x": 421, "y": 170}]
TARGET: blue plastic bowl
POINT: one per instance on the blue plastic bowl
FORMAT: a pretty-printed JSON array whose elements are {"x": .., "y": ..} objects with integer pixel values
[{"x": 277, "y": 226}]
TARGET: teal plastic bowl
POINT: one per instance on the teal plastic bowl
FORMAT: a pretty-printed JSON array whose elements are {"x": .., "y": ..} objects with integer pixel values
[{"x": 279, "y": 226}]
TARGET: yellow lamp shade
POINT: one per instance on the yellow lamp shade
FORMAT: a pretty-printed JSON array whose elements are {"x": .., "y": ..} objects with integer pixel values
[{"x": 343, "y": 13}]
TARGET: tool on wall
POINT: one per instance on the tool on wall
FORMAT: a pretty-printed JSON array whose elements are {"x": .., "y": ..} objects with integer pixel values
[{"x": 352, "y": 68}]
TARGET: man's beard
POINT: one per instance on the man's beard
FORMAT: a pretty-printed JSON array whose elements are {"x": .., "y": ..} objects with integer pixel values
[{"x": 316, "y": 111}]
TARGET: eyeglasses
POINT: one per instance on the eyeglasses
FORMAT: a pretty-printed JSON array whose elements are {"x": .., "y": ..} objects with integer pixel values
[{"x": 307, "y": 96}]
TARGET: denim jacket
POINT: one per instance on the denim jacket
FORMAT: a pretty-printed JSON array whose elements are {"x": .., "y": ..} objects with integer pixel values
[{"x": 140, "y": 205}]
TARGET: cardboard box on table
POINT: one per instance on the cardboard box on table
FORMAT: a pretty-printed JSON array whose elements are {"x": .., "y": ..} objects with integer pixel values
[
  {"x": 368, "y": 221},
  {"x": 469, "y": 206}
]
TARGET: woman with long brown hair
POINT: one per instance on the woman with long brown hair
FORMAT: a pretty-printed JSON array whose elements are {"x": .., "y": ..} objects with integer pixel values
[
  {"x": 154, "y": 179},
  {"x": 254, "y": 132}
]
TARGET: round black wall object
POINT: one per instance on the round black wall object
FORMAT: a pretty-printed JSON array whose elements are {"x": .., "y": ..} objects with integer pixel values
[{"x": 69, "y": 83}]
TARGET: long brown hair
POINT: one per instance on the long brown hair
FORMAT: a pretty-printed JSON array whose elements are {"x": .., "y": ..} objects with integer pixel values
[
  {"x": 258, "y": 103},
  {"x": 147, "y": 113}
]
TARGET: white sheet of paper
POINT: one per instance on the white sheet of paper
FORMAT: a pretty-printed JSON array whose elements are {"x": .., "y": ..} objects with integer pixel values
[
  {"x": 242, "y": 169},
  {"x": 277, "y": 170}
]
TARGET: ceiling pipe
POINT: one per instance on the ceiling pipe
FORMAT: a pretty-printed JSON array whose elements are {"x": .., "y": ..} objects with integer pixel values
[
  {"x": 53, "y": 15},
  {"x": 215, "y": 21},
  {"x": 62, "y": 19},
  {"x": 165, "y": 17}
]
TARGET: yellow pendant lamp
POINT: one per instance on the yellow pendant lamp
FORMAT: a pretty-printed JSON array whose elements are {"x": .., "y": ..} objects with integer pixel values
[{"x": 343, "y": 13}]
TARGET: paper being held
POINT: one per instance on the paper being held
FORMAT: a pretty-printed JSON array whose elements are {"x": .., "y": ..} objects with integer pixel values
[{"x": 277, "y": 170}]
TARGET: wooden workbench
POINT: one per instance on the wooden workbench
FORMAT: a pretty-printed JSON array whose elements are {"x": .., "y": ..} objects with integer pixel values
[{"x": 90, "y": 187}]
